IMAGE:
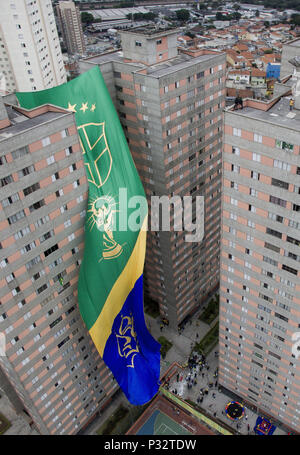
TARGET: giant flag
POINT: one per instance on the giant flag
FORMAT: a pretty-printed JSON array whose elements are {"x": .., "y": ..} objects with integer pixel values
[{"x": 110, "y": 286}]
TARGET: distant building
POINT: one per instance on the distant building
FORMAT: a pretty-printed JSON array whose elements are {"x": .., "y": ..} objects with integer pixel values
[
  {"x": 289, "y": 50},
  {"x": 273, "y": 71},
  {"x": 30, "y": 53},
  {"x": 69, "y": 23}
]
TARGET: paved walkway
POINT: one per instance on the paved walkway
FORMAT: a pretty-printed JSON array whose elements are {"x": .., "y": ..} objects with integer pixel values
[
  {"x": 180, "y": 352},
  {"x": 19, "y": 423}
]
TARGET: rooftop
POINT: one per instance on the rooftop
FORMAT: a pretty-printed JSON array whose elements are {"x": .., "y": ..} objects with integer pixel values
[
  {"x": 181, "y": 61},
  {"x": 151, "y": 31},
  {"x": 279, "y": 114},
  {"x": 20, "y": 122}
]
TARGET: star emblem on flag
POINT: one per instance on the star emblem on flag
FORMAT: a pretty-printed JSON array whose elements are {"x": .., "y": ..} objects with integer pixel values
[
  {"x": 71, "y": 107},
  {"x": 84, "y": 107}
]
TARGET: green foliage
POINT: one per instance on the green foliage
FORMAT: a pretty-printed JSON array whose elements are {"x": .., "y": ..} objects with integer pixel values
[
  {"x": 165, "y": 346},
  {"x": 190, "y": 34},
  {"x": 211, "y": 312},
  {"x": 228, "y": 17},
  {"x": 151, "y": 307},
  {"x": 109, "y": 426},
  {"x": 4, "y": 424},
  {"x": 87, "y": 18},
  {"x": 295, "y": 19},
  {"x": 209, "y": 341},
  {"x": 142, "y": 16},
  {"x": 183, "y": 15}
]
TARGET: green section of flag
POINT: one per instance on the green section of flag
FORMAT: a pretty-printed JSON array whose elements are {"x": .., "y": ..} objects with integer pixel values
[{"x": 109, "y": 166}]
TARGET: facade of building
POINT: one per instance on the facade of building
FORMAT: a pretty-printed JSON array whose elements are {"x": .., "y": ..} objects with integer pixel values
[
  {"x": 51, "y": 367},
  {"x": 30, "y": 54},
  {"x": 170, "y": 105},
  {"x": 69, "y": 22},
  {"x": 259, "y": 285},
  {"x": 290, "y": 50}
]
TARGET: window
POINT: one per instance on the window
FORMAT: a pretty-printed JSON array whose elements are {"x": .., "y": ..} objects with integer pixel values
[
  {"x": 284, "y": 146},
  {"x": 289, "y": 269},
  {"x": 46, "y": 141},
  {"x": 16, "y": 217},
  {"x": 36, "y": 205},
  {"x": 46, "y": 236},
  {"x": 138, "y": 44},
  {"x": 236, "y": 151},
  {"x": 10, "y": 200},
  {"x": 255, "y": 175},
  {"x": 257, "y": 138},
  {"x": 6, "y": 180},
  {"x": 296, "y": 208},
  {"x": 50, "y": 159},
  {"x": 235, "y": 168},
  {"x": 19, "y": 153},
  {"x": 33, "y": 262},
  {"x": 256, "y": 157},
  {"x": 237, "y": 132},
  {"x": 280, "y": 184},
  {"x": 274, "y": 233},
  {"x": 26, "y": 171},
  {"x": 277, "y": 201},
  {"x": 293, "y": 241},
  {"x": 31, "y": 189},
  {"x": 51, "y": 250},
  {"x": 282, "y": 165}
]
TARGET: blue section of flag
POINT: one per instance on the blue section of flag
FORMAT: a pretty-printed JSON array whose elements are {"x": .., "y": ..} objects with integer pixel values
[{"x": 131, "y": 352}]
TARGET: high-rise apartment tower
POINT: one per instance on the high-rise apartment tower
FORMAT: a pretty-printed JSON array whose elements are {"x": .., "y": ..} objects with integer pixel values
[
  {"x": 170, "y": 104},
  {"x": 51, "y": 366},
  {"x": 69, "y": 22},
  {"x": 30, "y": 54},
  {"x": 260, "y": 255}
]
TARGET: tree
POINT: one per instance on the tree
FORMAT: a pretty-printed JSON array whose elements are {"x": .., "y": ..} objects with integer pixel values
[
  {"x": 236, "y": 6},
  {"x": 295, "y": 19},
  {"x": 219, "y": 16},
  {"x": 257, "y": 13},
  {"x": 183, "y": 15},
  {"x": 87, "y": 18},
  {"x": 190, "y": 34},
  {"x": 236, "y": 16}
]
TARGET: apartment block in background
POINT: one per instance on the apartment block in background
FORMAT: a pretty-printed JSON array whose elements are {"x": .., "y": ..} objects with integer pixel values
[
  {"x": 260, "y": 257},
  {"x": 69, "y": 23},
  {"x": 52, "y": 368},
  {"x": 290, "y": 50},
  {"x": 30, "y": 54},
  {"x": 170, "y": 104}
]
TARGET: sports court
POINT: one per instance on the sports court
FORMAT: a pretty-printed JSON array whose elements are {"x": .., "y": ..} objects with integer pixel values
[
  {"x": 163, "y": 417},
  {"x": 160, "y": 424}
]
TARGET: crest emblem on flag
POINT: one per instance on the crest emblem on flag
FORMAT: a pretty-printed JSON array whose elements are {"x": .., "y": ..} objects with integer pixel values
[{"x": 99, "y": 169}]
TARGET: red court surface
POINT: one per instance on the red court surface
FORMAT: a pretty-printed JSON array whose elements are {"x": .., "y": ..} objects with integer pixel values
[{"x": 173, "y": 420}]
